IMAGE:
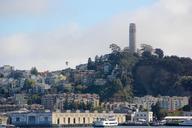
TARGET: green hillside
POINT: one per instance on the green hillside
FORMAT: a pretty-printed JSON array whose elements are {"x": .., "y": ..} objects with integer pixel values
[{"x": 147, "y": 73}]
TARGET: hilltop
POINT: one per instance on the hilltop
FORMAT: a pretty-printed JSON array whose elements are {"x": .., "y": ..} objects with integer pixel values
[
  {"x": 147, "y": 72},
  {"x": 118, "y": 76}
]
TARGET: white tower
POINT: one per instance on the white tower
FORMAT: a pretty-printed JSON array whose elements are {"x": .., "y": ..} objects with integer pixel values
[{"x": 132, "y": 37}]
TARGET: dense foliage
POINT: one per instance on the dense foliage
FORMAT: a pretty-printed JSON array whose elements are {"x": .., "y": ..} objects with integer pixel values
[{"x": 147, "y": 74}]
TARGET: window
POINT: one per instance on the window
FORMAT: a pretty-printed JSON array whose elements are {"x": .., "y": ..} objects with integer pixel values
[
  {"x": 84, "y": 120},
  {"x": 17, "y": 119},
  {"x": 46, "y": 119},
  {"x": 0, "y": 121},
  {"x": 74, "y": 121},
  {"x": 64, "y": 120},
  {"x": 31, "y": 119},
  {"x": 68, "y": 120},
  {"x": 58, "y": 121}
]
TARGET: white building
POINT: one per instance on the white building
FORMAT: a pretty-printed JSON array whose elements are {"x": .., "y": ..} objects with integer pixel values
[{"x": 144, "y": 116}]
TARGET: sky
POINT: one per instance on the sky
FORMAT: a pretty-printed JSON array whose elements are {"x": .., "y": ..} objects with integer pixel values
[{"x": 47, "y": 33}]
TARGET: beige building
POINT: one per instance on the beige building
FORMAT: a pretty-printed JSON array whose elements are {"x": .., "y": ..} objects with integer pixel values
[
  {"x": 3, "y": 119},
  {"x": 56, "y": 101},
  {"x": 75, "y": 118}
]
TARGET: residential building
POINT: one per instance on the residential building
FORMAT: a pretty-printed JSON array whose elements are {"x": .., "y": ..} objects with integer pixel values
[
  {"x": 84, "y": 76},
  {"x": 173, "y": 103},
  {"x": 120, "y": 107},
  {"x": 21, "y": 99},
  {"x": 100, "y": 81},
  {"x": 145, "y": 102},
  {"x": 8, "y": 108},
  {"x": 6, "y": 70},
  {"x": 48, "y": 101},
  {"x": 81, "y": 67},
  {"x": 56, "y": 101}
]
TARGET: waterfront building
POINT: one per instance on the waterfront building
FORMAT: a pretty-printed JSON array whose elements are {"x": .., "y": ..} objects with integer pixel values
[
  {"x": 3, "y": 119},
  {"x": 31, "y": 118},
  {"x": 190, "y": 101},
  {"x": 171, "y": 119},
  {"x": 85, "y": 118},
  {"x": 68, "y": 118},
  {"x": 144, "y": 116}
]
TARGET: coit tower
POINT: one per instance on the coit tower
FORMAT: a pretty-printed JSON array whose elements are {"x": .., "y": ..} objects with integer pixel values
[{"x": 132, "y": 38}]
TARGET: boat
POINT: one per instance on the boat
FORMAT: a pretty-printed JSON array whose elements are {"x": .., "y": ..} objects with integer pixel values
[
  {"x": 187, "y": 122},
  {"x": 135, "y": 123},
  {"x": 6, "y": 126},
  {"x": 105, "y": 122}
]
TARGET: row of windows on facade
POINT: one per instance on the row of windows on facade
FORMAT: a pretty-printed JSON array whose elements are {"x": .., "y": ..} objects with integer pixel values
[
  {"x": 74, "y": 120},
  {"x": 32, "y": 118}
]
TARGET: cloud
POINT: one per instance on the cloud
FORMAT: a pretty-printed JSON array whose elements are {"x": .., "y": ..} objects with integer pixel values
[
  {"x": 166, "y": 24},
  {"x": 26, "y": 7}
]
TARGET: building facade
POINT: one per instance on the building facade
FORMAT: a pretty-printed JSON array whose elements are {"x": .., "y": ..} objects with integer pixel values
[
  {"x": 48, "y": 101},
  {"x": 145, "y": 102},
  {"x": 187, "y": 113},
  {"x": 67, "y": 118},
  {"x": 31, "y": 119},
  {"x": 57, "y": 101},
  {"x": 78, "y": 118},
  {"x": 173, "y": 103},
  {"x": 144, "y": 116},
  {"x": 3, "y": 119}
]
